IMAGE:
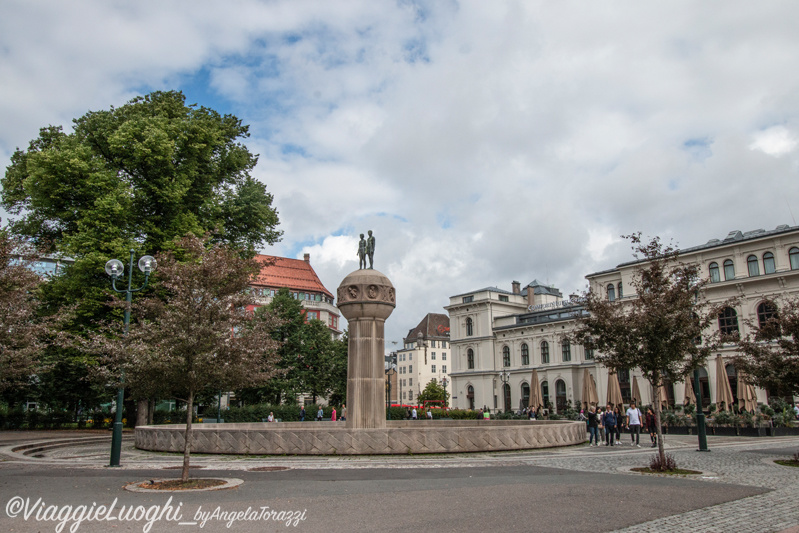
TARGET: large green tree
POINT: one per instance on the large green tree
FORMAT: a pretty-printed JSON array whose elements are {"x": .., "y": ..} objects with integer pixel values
[
  {"x": 660, "y": 329},
  {"x": 135, "y": 177},
  {"x": 434, "y": 391}
]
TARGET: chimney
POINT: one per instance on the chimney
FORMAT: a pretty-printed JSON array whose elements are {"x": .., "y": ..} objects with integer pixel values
[
  {"x": 307, "y": 258},
  {"x": 517, "y": 287}
]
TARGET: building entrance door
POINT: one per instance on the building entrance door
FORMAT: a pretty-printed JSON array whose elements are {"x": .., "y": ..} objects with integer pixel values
[{"x": 560, "y": 396}]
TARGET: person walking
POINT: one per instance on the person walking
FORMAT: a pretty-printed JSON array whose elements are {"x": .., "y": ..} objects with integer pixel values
[
  {"x": 651, "y": 427},
  {"x": 480, "y": 414},
  {"x": 593, "y": 427},
  {"x": 320, "y": 415},
  {"x": 620, "y": 423},
  {"x": 601, "y": 425},
  {"x": 634, "y": 423},
  {"x": 302, "y": 414},
  {"x": 414, "y": 414},
  {"x": 344, "y": 412},
  {"x": 429, "y": 415},
  {"x": 333, "y": 415},
  {"x": 609, "y": 421}
]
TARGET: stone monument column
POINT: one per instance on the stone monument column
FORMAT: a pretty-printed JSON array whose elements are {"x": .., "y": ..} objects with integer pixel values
[{"x": 366, "y": 298}]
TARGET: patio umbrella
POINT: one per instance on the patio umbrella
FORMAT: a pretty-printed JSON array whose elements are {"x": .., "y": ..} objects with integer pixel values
[
  {"x": 723, "y": 390},
  {"x": 747, "y": 397},
  {"x": 664, "y": 397},
  {"x": 536, "y": 398},
  {"x": 636, "y": 391},
  {"x": 690, "y": 397},
  {"x": 614, "y": 390},
  {"x": 590, "y": 397}
]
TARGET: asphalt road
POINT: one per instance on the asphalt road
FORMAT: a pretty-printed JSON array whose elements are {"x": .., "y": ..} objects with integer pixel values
[{"x": 501, "y": 498}]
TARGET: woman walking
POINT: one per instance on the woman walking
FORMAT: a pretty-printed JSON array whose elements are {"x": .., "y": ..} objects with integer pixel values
[
  {"x": 593, "y": 427},
  {"x": 651, "y": 427}
]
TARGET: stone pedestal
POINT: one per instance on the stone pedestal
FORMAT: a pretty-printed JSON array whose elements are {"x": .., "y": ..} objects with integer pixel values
[{"x": 366, "y": 298}]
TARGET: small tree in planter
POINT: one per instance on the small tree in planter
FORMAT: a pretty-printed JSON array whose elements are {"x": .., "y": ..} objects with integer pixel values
[{"x": 656, "y": 331}]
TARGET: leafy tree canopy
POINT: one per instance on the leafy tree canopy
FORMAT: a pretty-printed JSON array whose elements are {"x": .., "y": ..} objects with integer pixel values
[
  {"x": 433, "y": 391},
  {"x": 770, "y": 357}
]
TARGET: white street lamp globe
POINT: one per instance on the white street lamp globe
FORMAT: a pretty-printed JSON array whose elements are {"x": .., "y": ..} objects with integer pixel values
[
  {"x": 114, "y": 268},
  {"x": 147, "y": 264}
]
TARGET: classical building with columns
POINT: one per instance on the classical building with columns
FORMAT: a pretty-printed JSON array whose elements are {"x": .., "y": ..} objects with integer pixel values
[{"x": 498, "y": 337}]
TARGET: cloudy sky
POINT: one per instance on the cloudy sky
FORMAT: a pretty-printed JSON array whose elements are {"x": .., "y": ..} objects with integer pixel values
[{"x": 483, "y": 142}]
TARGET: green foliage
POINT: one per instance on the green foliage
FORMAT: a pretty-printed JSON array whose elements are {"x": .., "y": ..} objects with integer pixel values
[
  {"x": 286, "y": 413},
  {"x": 136, "y": 177},
  {"x": 433, "y": 391}
]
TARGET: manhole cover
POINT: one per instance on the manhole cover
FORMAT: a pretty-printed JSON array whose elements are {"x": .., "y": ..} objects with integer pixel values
[{"x": 268, "y": 468}]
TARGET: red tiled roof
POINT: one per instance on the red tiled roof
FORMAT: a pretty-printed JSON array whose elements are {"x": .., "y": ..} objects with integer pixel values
[{"x": 295, "y": 274}]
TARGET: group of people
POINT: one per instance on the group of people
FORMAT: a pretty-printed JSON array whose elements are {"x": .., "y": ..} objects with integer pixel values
[
  {"x": 609, "y": 424},
  {"x": 320, "y": 414}
]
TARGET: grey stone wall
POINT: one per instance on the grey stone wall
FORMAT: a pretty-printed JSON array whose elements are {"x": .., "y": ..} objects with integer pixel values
[{"x": 333, "y": 438}]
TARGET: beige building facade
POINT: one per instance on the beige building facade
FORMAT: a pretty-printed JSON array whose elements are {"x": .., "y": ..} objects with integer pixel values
[
  {"x": 498, "y": 337},
  {"x": 425, "y": 356}
]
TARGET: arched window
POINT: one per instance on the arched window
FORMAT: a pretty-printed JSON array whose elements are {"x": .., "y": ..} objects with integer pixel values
[
  {"x": 729, "y": 270},
  {"x": 525, "y": 355},
  {"x": 469, "y": 327},
  {"x": 544, "y": 352},
  {"x": 560, "y": 395},
  {"x": 505, "y": 356},
  {"x": 621, "y": 293},
  {"x": 714, "y": 272},
  {"x": 470, "y": 396},
  {"x": 765, "y": 312},
  {"x": 768, "y": 263},
  {"x": 753, "y": 265},
  {"x": 793, "y": 255},
  {"x": 470, "y": 358},
  {"x": 525, "y": 394},
  {"x": 566, "y": 350},
  {"x": 611, "y": 292},
  {"x": 728, "y": 321},
  {"x": 545, "y": 393}
]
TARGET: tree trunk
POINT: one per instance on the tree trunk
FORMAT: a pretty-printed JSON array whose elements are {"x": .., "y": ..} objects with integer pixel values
[
  {"x": 187, "y": 437},
  {"x": 141, "y": 413},
  {"x": 658, "y": 426},
  {"x": 151, "y": 413}
]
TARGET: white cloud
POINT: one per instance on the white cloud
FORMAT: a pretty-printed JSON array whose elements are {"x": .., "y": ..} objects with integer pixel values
[{"x": 482, "y": 142}]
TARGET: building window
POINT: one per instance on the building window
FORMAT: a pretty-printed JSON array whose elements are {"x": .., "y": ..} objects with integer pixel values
[
  {"x": 544, "y": 352},
  {"x": 505, "y": 356},
  {"x": 503, "y": 298},
  {"x": 410, "y": 368},
  {"x": 470, "y": 358},
  {"x": 469, "y": 327},
  {"x": 765, "y": 312},
  {"x": 728, "y": 321},
  {"x": 444, "y": 369},
  {"x": 715, "y": 277},
  {"x": 433, "y": 356},
  {"x": 729, "y": 270},
  {"x": 525, "y": 355},
  {"x": 468, "y": 299},
  {"x": 621, "y": 293},
  {"x": 410, "y": 382},
  {"x": 611, "y": 292},
  {"x": 793, "y": 255},
  {"x": 768, "y": 263},
  {"x": 443, "y": 344},
  {"x": 589, "y": 350},
  {"x": 752, "y": 265},
  {"x": 566, "y": 348},
  {"x": 410, "y": 357},
  {"x": 433, "y": 368},
  {"x": 443, "y": 356},
  {"x": 410, "y": 396},
  {"x": 545, "y": 393}
]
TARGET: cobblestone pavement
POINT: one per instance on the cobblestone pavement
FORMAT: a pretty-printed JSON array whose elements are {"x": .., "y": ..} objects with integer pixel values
[{"x": 732, "y": 460}]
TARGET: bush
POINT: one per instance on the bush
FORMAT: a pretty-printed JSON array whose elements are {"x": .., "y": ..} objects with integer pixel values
[
  {"x": 657, "y": 466},
  {"x": 725, "y": 418}
]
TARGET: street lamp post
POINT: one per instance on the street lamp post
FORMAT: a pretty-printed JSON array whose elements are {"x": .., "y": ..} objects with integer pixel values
[
  {"x": 504, "y": 377},
  {"x": 116, "y": 269},
  {"x": 444, "y": 382},
  {"x": 389, "y": 374}
]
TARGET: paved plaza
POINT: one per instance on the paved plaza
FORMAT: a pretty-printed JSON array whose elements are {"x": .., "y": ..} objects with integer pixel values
[{"x": 567, "y": 489}]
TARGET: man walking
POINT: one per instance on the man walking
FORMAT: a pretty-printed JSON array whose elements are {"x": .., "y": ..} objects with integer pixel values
[
  {"x": 634, "y": 423},
  {"x": 609, "y": 421}
]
